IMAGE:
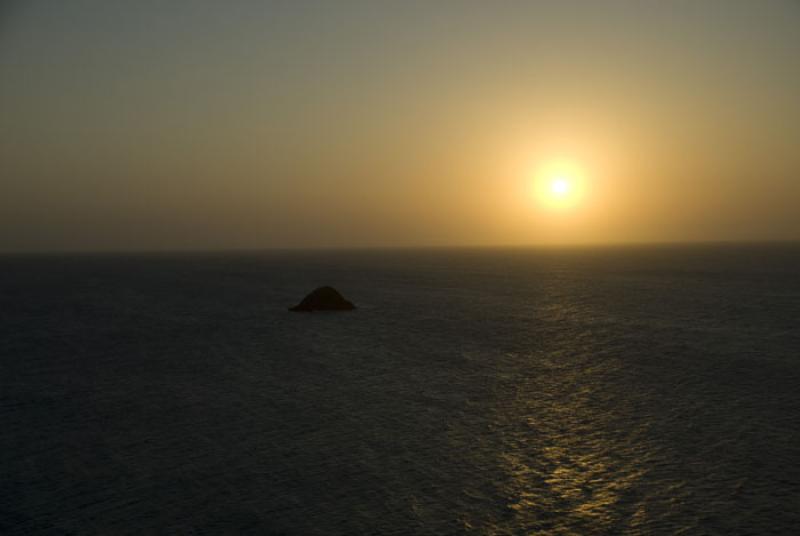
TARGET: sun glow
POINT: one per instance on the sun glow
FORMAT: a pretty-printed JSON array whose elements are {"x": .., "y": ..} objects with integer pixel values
[{"x": 559, "y": 184}]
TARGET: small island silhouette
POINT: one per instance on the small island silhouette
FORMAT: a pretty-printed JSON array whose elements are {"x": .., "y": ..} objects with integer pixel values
[{"x": 323, "y": 299}]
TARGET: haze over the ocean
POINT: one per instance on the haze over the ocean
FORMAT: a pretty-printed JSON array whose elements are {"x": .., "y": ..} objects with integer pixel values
[{"x": 204, "y": 124}]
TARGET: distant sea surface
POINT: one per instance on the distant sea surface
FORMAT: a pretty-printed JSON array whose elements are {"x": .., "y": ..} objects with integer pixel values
[{"x": 630, "y": 390}]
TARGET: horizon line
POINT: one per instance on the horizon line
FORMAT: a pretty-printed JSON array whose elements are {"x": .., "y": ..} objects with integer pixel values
[{"x": 409, "y": 247}]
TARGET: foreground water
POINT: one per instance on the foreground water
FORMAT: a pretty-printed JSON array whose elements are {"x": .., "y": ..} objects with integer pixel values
[{"x": 648, "y": 390}]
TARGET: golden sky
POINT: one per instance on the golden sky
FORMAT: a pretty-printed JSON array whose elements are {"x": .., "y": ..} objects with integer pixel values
[{"x": 204, "y": 124}]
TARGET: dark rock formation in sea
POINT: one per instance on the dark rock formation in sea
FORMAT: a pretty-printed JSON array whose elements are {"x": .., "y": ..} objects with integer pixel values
[{"x": 323, "y": 299}]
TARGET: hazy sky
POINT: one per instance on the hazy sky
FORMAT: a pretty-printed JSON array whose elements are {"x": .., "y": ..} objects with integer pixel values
[{"x": 207, "y": 124}]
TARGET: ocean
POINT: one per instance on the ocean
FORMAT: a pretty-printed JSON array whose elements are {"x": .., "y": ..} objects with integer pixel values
[{"x": 616, "y": 390}]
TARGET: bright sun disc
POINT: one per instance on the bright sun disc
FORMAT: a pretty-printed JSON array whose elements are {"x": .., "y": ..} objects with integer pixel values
[{"x": 559, "y": 185}]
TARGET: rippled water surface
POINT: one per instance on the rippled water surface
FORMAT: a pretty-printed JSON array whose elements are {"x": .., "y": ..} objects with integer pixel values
[{"x": 554, "y": 391}]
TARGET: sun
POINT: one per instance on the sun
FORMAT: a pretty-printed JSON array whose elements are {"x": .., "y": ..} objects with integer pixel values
[
  {"x": 559, "y": 187},
  {"x": 559, "y": 184}
]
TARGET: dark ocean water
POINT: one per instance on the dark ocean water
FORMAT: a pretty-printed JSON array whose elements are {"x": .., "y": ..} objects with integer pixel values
[{"x": 643, "y": 390}]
